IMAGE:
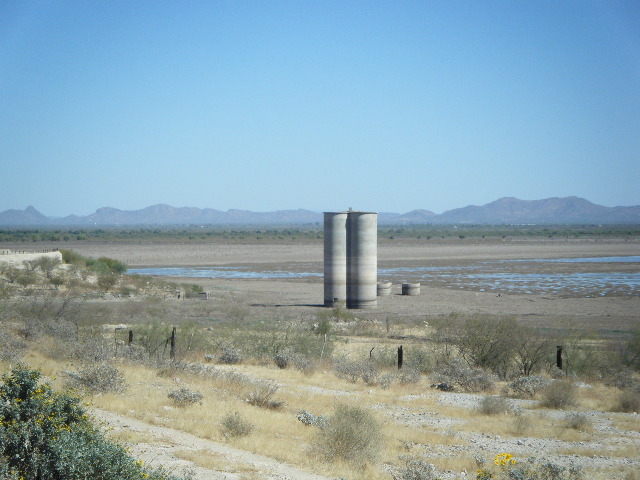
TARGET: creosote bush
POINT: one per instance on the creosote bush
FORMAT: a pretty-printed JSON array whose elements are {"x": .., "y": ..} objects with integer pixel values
[
  {"x": 230, "y": 356},
  {"x": 559, "y": 394},
  {"x": 98, "y": 378},
  {"x": 351, "y": 434},
  {"x": 528, "y": 386},
  {"x": 457, "y": 372},
  {"x": 235, "y": 425},
  {"x": 48, "y": 435},
  {"x": 577, "y": 421},
  {"x": 261, "y": 395},
  {"x": 628, "y": 401},
  {"x": 492, "y": 405},
  {"x": 416, "y": 469},
  {"x": 184, "y": 397}
]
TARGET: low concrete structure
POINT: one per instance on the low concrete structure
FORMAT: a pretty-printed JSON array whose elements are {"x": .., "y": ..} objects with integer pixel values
[
  {"x": 410, "y": 289},
  {"x": 17, "y": 258},
  {"x": 384, "y": 289}
]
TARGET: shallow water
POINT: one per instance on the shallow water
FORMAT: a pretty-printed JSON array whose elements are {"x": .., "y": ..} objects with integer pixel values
[{"x": 502, "y": 276}]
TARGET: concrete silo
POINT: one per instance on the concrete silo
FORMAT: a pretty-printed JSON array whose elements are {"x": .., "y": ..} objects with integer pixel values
[
  {"x": 362, "y": 259},
  {"x": 335, "y": 258}
]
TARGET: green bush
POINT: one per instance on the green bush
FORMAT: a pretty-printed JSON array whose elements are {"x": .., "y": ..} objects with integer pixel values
[
  {"x": 351, "y": 434},
  {"x": 48, "y": 435}
]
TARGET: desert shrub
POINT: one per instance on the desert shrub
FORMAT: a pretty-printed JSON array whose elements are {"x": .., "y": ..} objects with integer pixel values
[
  {"x": 416, "y": 469},
  {"x": 458, "y": 372},
  {"x": 487, "y": 342},
  {"x": 528, "y": 386},
  {"x": 262, "y": 393},
  {"x": 408, "y": 375},
  {"x": 281, "y": 360},
  {"x": 184, "y": 397},
  {"x": 386, "y": 380},
  {"x": 418, "y": 358},
  {"x": 72, "y": 258},
  {"x": 235, "y": 425},
  {"x": 559, "y": 394},
  {"x": 48, "y": 435},
  {"x": 310, "y": 419},
  {"x": 620, "y": 378},
  {"x": 46, "y": 265},
  {"x": 91, "y": 349},
  {"x": 577, "y": 421},
  {"x": 106, "y": 281},
  {"x": 230, "y": 356},
  {"x": 628, "y": 401},
  {"x": 353, "y": 371},
  {"x": 521, "y": 423},
  {"x": 303, "y": 363},
  {"x": 97, "y": 378},
  {"x": 351, "y": 434},
  {"x": 506, "y": 467},
  {"x": 492, "y": 405},
  {"x": 26, "y": 279},
  {"x": 106, "y": 264},
  {"x": 12, "y": 348}
]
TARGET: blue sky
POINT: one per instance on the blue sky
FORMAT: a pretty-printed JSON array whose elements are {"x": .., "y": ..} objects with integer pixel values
[{"x": 322, "y": 105}]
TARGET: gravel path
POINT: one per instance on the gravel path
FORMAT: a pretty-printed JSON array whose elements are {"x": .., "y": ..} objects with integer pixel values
[{"x": 167, "y": 442}]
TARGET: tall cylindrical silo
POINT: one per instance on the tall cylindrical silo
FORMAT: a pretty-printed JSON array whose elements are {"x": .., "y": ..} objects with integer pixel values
[
  {"x": 362, "y": 259},
  {"x": 335, "y": 258}
]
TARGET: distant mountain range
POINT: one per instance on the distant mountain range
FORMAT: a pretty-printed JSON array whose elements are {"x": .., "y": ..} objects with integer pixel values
[{"x": 508, "y": 210}]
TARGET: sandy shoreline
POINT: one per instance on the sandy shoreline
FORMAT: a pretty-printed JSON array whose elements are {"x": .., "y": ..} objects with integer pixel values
[
  {"x": 305, "y": 295},
  {"x": 202, "y": 254}
]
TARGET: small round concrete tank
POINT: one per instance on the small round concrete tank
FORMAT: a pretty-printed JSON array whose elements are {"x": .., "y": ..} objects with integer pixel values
[
  {"x": 410, "y": 289},
  {"x": 335, "y": 258},
  {"x": 362, "y": 259},
  {"x": 384, "y": 289}
]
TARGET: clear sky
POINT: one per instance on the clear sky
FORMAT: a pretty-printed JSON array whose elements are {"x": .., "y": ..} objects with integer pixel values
[{"x": 324, "y": 105}]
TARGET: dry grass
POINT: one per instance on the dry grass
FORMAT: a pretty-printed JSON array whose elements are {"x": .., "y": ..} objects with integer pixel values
[
  {"x": 214, "y": 461},
  {"x": 317, "y": 393}
]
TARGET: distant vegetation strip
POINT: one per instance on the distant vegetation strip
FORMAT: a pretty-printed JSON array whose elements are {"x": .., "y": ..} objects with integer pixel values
[{"x": 312, "y": 233}]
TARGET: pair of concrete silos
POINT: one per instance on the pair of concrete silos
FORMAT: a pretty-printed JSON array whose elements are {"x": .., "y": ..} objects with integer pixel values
[{"x": 350, "y": 259}]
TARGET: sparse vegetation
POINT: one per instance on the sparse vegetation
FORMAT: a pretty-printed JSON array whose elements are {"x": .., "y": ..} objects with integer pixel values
[
  {"x": 268, "y": 363},
  {"x": 351, "y": 434},
  {"x": 560, "y": 394},
  {"x": 235, "y": 425},
  {"x": 492, "y": 405},
  {"x": 98, "y": 378},
  {"x": 183, "y": 397}
]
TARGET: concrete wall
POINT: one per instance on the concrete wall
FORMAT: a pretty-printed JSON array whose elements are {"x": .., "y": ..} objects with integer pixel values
[{"x": 16, "y": 258}]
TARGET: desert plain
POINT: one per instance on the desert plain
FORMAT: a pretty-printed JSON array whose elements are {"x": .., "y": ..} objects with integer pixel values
[{"x": 445, "y": 426}]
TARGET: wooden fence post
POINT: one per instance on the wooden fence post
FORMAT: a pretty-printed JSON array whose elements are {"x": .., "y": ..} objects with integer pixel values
[
  {"x": 559, "y": 357},
  {"x": 400, "y": 357},
  {"x": 172, "y": 351}
]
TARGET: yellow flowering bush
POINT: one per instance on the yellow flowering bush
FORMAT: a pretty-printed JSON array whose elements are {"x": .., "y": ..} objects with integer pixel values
[
  {"x": 508, "y": 468},
  {"x": 48, "y": 435}
]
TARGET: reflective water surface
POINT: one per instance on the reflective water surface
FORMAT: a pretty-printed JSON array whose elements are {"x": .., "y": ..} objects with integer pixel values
[{"x": 533, "y": 276}]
